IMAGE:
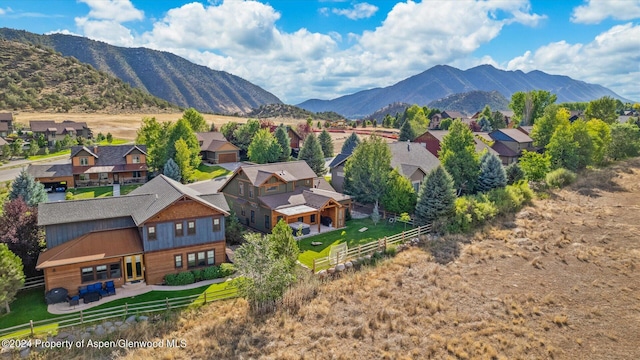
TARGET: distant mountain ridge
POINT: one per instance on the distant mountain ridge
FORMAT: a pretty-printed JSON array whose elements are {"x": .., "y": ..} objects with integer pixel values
[
  {"x": 441, "y": 81},
  {"x": 293, "y": 112},
  {"x": 471, "y": 102},
  {"x": 162, "y": 74}
]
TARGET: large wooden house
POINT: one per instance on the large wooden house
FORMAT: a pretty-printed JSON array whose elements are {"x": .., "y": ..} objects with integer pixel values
[
  {"x": 216, "y": 149},
  {"x": 54, "y": 132},
  {"x": 6, "y": 124},
  {"x": 261, "y": 195},
  {"x": 161, "y": 227}
]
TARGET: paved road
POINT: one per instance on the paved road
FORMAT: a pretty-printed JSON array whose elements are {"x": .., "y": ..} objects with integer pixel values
[{"x": 11, "y": 170}]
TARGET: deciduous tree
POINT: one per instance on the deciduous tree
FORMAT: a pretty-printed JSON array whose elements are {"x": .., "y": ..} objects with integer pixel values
[
  {"x": 19, "y": 230},
  {"x": 625, "y": 141},
  {"x": 436, "y": 198},
  {"x": 603, "y": 109},
  {"x": 311, "y": 152},
  {"x": 182, "y": 131},
  {"x": 195, "y": 120},
  {"x": 264, "y": 148},
  {"x": 244, "y": 134},
  {"x": 534, "y": 165},
  {"x": 183, "y": 160},
  {"x": 400, "y": 196},
  {"x": 367, "y": 170},
  {"x": 458, "y": 156},
  {"x": 553, "y": 117},
  {"x": 529, "y": 106},
  {"x": 11, "y": 276}
]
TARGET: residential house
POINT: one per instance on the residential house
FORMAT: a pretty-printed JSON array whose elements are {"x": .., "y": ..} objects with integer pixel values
[
  {"x": 431, "y": 140},
  {"x": 54, "y": 132},
  {"x": 509, "y": 144},
  {"x": 263, "y": 194},
  {"x": 435, "y": 120},
  {"x": 96, "y": 166},
  {"x": 6, "y": 124},
  {"x": 526, "y": 129},
  {"x": 411, "y": 160},
  {"x": 161, "y": 227},
  {"x": 575, "y": 115},
  {"x": 216, "y": 149},
  {"x": 295, "y": 138}
]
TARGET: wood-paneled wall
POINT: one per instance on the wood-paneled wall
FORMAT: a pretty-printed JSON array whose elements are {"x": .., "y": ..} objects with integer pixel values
[{"x": 160, "y": 263}]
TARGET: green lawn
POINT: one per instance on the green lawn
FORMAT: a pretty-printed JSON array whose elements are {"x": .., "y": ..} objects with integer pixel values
[
  {"x": 113, "y": 142},
  {"x": 204, "y": 172},
  {"x": 125, "y": 189},
  {"x": 49, "y": 155},
  {"x": 30, "y": 305},
  {"x": 91, "y": 192},
  {"x": 351, "y": 235}
]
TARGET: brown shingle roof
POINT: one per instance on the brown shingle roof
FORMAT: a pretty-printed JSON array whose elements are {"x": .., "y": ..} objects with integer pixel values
[
  {"x": 407, "y": 157},
  {"x": 109, "y": 158},
  {"x": 49, "y": 171},
  {"x": 212, "y": 141},
  {"x": 6, "y": 116},
  {"x": 4, "y": 126},
  {"x": 93, "y": 246},
  {"x": 503, "y": 150},
  {"x": 44, "y": 125},
  {"x": 2, "y": 142},
  {"x": 315, "y": 198},
  {"x": 287, "y": 171}
]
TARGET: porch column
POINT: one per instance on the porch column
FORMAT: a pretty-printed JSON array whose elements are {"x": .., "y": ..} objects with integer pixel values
[{"x": 318, "y": 220}]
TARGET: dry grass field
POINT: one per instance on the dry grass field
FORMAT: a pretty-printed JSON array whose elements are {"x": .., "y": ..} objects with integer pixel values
[{"x": 559, "y": 280}]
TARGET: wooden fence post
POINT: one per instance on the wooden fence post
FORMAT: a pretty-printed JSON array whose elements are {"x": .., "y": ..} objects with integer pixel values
[
  {"x": 31, "y": 325},
  {"x": 402, "y": 235},
  {"x": 205, "y": 297},
  {"x": 167, "y": 302},
  {"x": 313, "y": 270},
  {"x": 385, "y": 243},
  {"x": 126, "y": 309},
  {"x": 81, "y": 318},
  {"x": 359, "y": 250}
]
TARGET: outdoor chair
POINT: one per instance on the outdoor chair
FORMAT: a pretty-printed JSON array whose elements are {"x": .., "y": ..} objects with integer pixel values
[
  {"x": 82, "y": 291},
  {"x": 110, "y": 287},
  {"x": 74, "y": 300}
]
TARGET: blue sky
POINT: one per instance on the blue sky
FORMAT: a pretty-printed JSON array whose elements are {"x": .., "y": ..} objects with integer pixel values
[{"x": 301, "y": 49}]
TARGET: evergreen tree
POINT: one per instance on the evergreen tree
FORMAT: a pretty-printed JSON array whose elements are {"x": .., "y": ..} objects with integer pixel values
[
  {"x": 485, "y": 125},
  {"x": 458, "y": 156},
  {"x": 11, "y": 276},
  {"x": 283, "y": 139},
  {"x": 195, "y": 120},
  {"x": 350, "y": 144},
  {"x": 367, "y": 170},
  {"x": 436, "y": 198},
  {"x": 498, "y": 121},
  {"x": 375, "y": 214},
  {"x": 311, "y": 152},
  {"x": 283, "y": 243},
  {"x": 264, "y": 148},
  {"x": 172, "y": 170},
  {"x": 400, "y": 196},
  {"x": 514, "y": 173},
  {"x": 233, "y": 230},
  {"x": 27, "y": 188},
  {"x": 406, "y": 132},
  {"x": 492, "y": 173},
  {"x": 326, "y": 143},
  {"x": 109, "y": 140}
]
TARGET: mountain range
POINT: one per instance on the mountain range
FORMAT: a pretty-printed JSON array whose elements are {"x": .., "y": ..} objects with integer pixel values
[
  {"x": 160, "y": 73},
  {"x": 441, "y": 81},
  {"x": 472, "y": 101}
]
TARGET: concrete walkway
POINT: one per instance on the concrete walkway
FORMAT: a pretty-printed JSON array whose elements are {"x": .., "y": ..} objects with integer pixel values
[
  {"x": 126, "y": 292},
  {"x": 116, "y": 189}
]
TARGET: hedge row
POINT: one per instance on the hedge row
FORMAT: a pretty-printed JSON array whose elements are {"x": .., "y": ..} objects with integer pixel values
[
  {"x": 474, "y": 210},
  {"x": 189, "y": 277}
]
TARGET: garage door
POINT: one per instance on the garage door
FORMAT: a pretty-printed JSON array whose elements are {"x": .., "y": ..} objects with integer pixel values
[{"x": 227, "y": 158}]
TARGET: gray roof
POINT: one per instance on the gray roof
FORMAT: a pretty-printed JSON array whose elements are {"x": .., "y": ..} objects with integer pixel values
[
  {"x": 2, "y": 142},
  {"x": 6, "y": 116},
  {"x": 287, "y": 171},
  {"x": 339, "y": 159},
  {"x": 480, "y": 145},
  {"x": 49, "y": 170},
  {"x": 141, "y": 204},
  {"x": 515, "y": 134},
  {"x": 4, "y": 126},
  {"x": 209, "y": 186},
  {"x": 408, "y": 157},
  {"x": 211, "y": 141},
  {"x": 311, "y": 197},
  {"x": 526, "y": 129},
  {"x": 454, "y": 114},
  {"x": 59, "y": 128},
  {"x": 503, "y": 150},
  {"x": 109, "y": 155}
]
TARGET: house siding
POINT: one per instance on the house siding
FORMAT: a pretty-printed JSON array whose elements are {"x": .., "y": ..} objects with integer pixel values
[
  {"x": 70, "y": 277},
  {"x": 337, "y": 178},
  {"x": 430, "y": 142},
  {"x": 167, "y": 239},
  {"x": 61, "y": 233},
  {"x": 160, "y": 263}
]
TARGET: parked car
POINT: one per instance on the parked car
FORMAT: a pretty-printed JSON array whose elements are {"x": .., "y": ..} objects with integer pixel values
[{"x": 61, "y": 189}]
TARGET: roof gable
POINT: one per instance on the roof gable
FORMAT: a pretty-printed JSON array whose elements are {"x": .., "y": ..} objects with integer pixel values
[
  {"x": 407, "y": 156},
  {"x": 511, "y": 135},
  {"x": 109, "y": 155},
  {"x": 286, "y": 171}
]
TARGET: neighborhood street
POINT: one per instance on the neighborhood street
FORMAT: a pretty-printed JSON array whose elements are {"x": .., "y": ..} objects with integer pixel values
[{"x": 11, "y": 170}]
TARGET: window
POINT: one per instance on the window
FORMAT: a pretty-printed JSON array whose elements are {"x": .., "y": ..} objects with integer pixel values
[
  {"x": 313, "y": 219},
  {"x": 202, "y": 261},
  {"x": 191, "y": 227},
  {"x": 151, "y": 232},
  {"x": 114, "y": 271},
  {"x": 84, "y": 176},
  {"x": 272, "y": 188},
  {"x": 136, "y": 174},
  {"x": 104, "y": 176},
  {"x": 251, "y": 192},
  {"x": 87, "y": 274},
  {"x": 243, "y": 212},
  {"x": 84, "y": 161},
  {"x": 300, "y": 219},
  {"x": 135, "y": 159},
  {"x": 179, "y": 229},
  {"x": 416, "y": 186},
  {"x": 307, "y": 182},
  {"x": 211, "y": 259},
  {"x": 101, "y": 272},
  {"x": 177, "y": 259},
  {"x": 339, "y": 174},
  {"x": 267, "y": 222},
  {"x": 241, "y": 188},
  {"x": 253, "y": 217},
  {"x": 191, "y": 260},
  {"x": 216, "y": 223}
]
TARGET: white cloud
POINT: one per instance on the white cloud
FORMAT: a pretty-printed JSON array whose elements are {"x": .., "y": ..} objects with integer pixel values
[
  {"x": 62, "y": 31},
  {"x": 594, "y": 11},
  {"x": 359, "y": 11},
  {"x": 116, "y": 10},
  {"x": 4, "y": 11},
  {"x": 611, "y": 60}
]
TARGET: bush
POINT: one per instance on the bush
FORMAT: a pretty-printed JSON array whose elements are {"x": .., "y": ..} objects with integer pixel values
[
  {"x": 212, "y": 272},
  {"x": 560, "y": 178},
  {"x": 170, "y": 279},
  {"x": 227, "y": 269},
  {"x": 185, "y": 278},
  {"x": 197, "y": 275},
  {"x": 68, "y": 195},
  {"x": 514, "y": 173}
]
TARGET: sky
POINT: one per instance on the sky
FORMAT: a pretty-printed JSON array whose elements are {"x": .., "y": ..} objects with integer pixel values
[{"x": 323, "y": 49}]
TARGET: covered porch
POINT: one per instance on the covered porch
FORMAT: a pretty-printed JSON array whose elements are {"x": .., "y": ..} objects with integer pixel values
[{"x": 309, "y": 220}]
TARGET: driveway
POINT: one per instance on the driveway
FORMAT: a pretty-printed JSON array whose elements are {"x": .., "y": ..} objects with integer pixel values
[{"x": 56, "y": 196}]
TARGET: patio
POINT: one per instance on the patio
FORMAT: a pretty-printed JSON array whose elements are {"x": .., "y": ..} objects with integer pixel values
[{"x": 313, "y": 231}]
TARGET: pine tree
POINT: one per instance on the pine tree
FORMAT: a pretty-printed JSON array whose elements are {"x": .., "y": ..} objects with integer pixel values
[
  {"x": 326, "y": 143},
  {"x": 492, "y": 173},
  {"x": 436, "y": 198},
  {"x": 375, "y": 214},
  {"x": 514, "y": 173},
  {"x": 283, "y": 139},
  {"x": 350, "y": 144},
  {"x": 11, "y": 276},
  {"x": 311, "y": 152},
  {"x": 406, "y": 132},
  {"x": 400, "y": 196},
  {"x": 25, "y": 187},
  {"x": 458, "y": 156},
  {"x": 172, "y": 170}
]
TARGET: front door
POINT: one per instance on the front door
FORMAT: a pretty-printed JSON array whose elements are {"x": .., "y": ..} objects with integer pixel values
[
  {"x": 115, "y": 178},
  {"x": 133, "y": 268}
]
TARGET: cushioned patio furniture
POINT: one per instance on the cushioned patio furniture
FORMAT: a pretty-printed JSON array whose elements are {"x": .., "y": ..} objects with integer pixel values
[
  {"x": 74, "y": 300},
  {"x": 110, "y": 287},
  {"x": 82, "y": 291},
  {"x": 91, "y": 297}
]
